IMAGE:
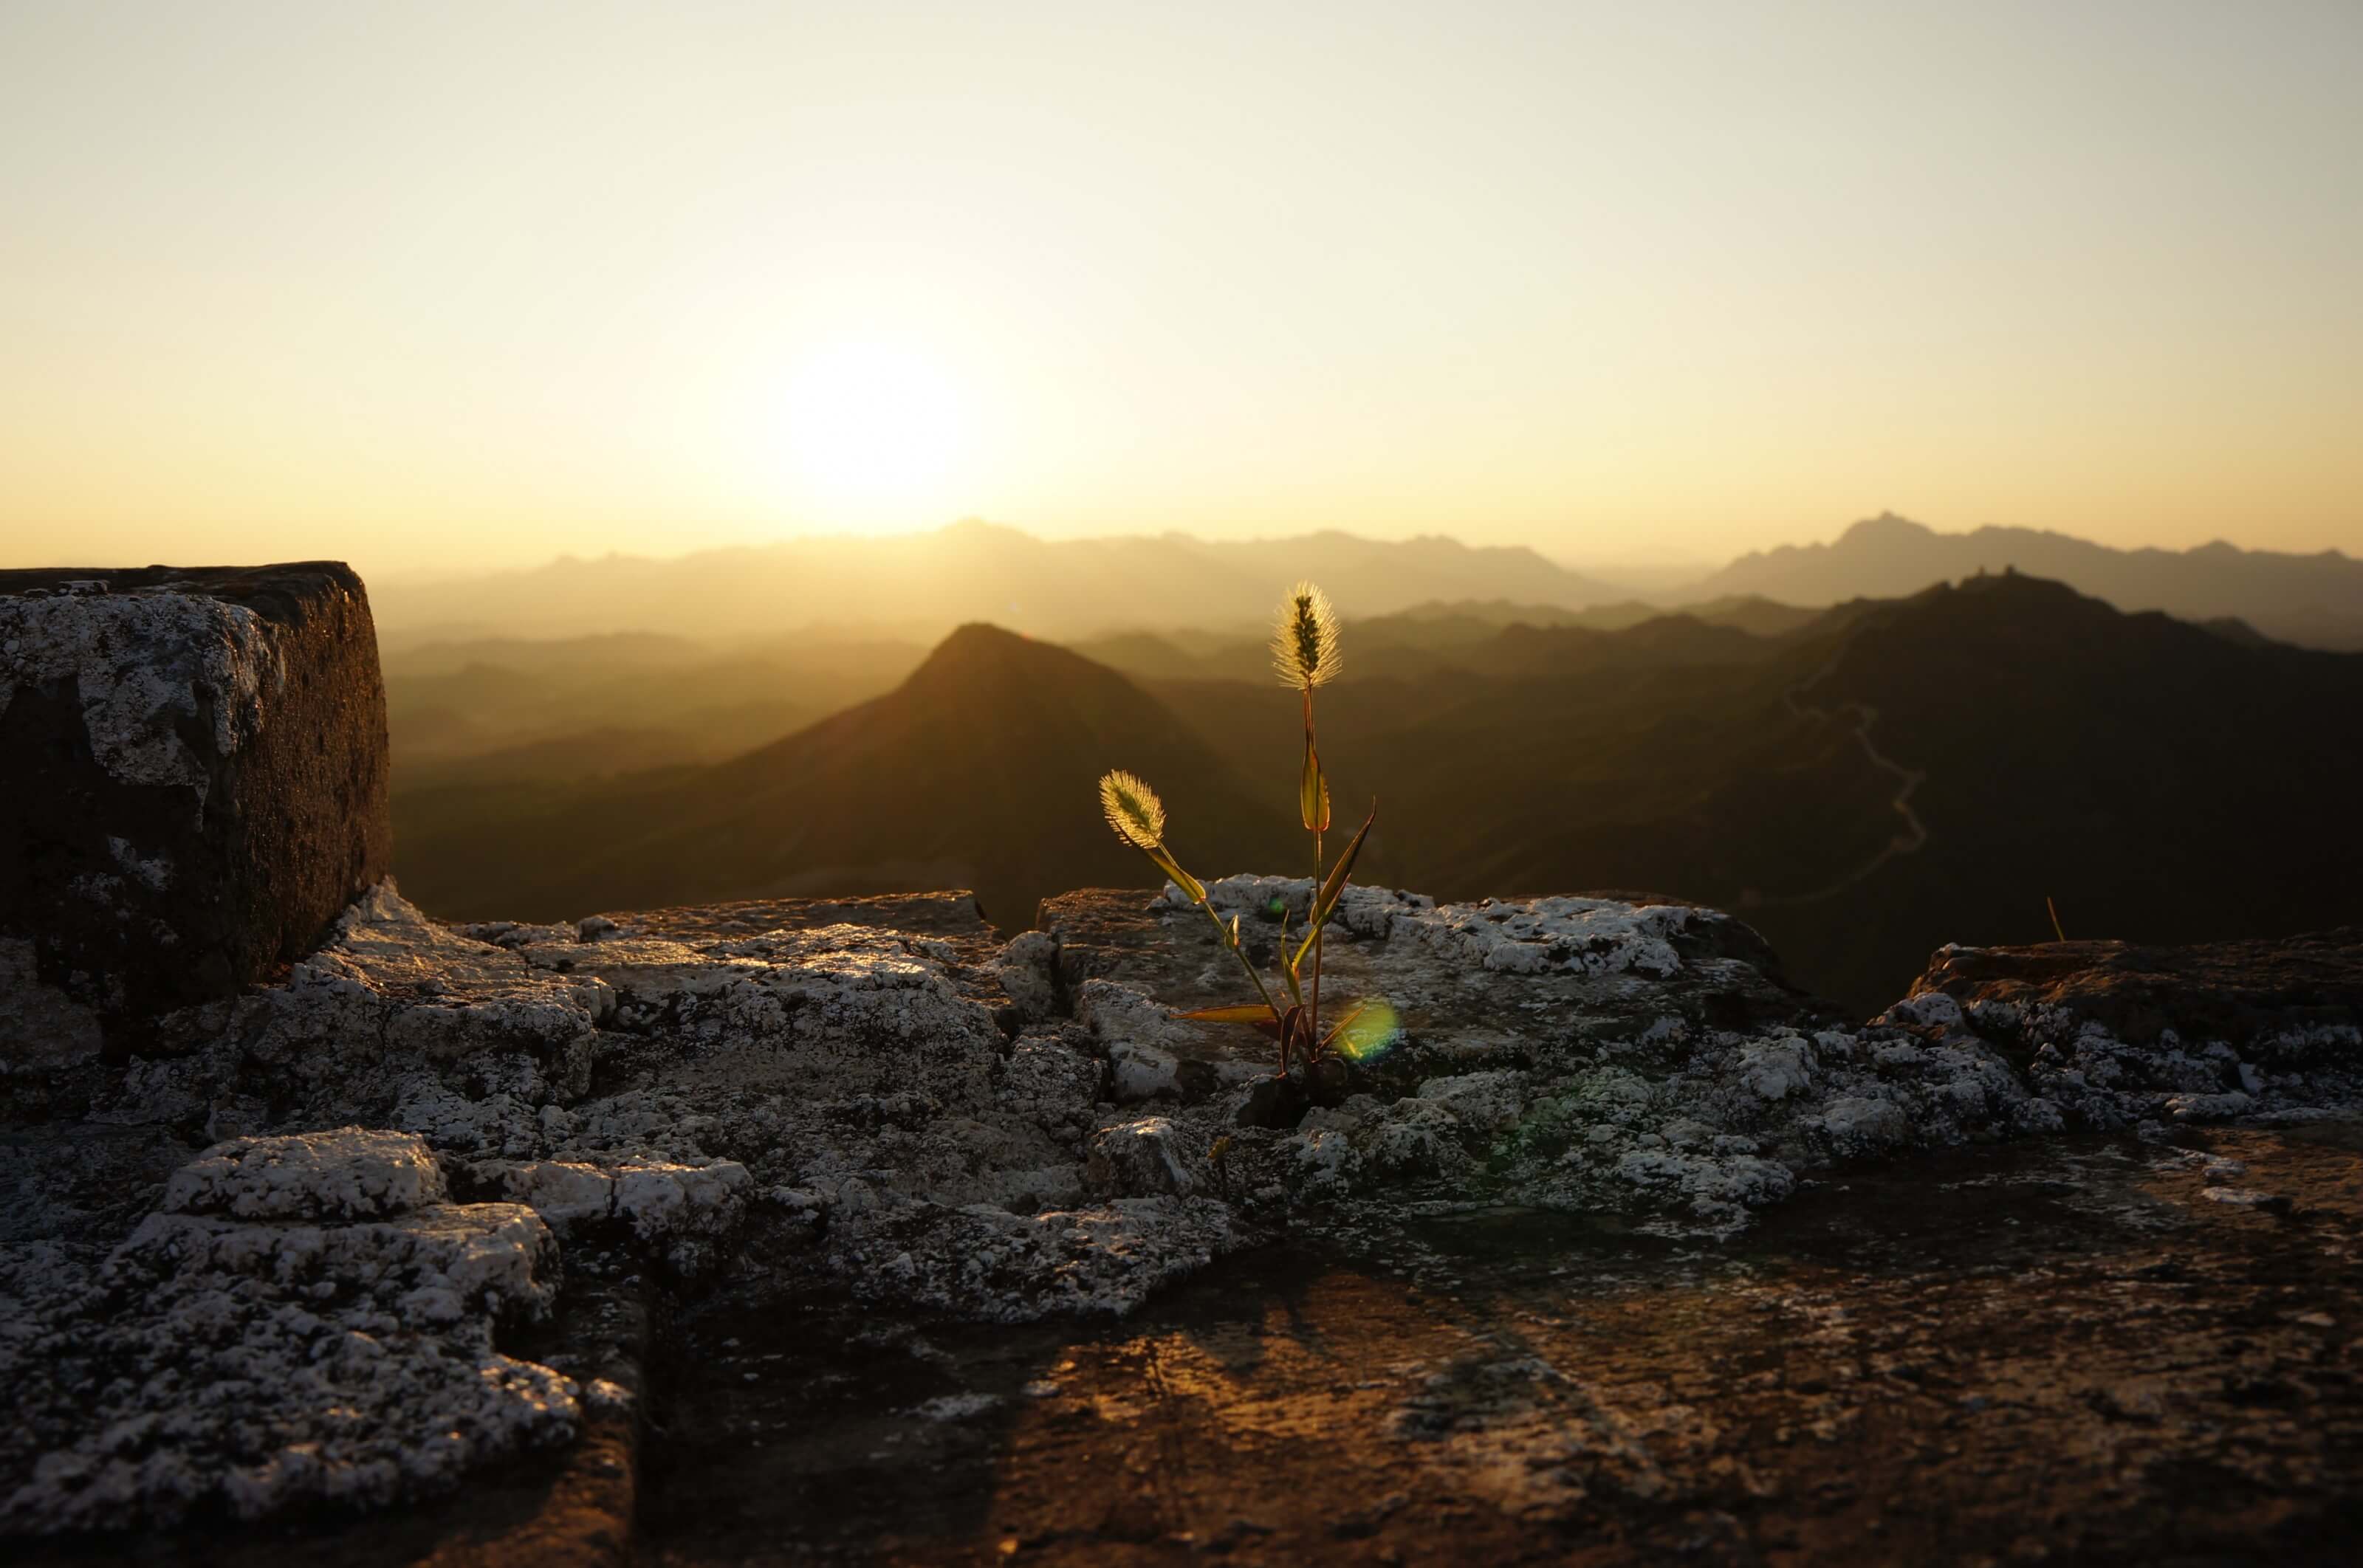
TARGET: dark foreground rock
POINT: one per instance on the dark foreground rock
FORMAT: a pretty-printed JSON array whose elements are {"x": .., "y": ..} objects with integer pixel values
[
  {"x": 2071, "y": 1350},
  {"x": 2119, "y": 1034},
  {"x": 974, "y": 1244},
  {"x": 194, "y": 787}
]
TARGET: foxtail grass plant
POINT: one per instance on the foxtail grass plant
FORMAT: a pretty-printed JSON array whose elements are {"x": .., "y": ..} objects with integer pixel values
[{"x": 1304, "y": 653}]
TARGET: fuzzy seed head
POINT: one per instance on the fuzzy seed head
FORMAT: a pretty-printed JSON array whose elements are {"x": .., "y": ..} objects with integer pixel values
[
  {"x": 1133, "y": 809},
  {"x": 1304, "y": 641}
]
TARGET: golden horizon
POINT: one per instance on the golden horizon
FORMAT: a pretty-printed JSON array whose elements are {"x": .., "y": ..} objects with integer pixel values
[{"x": 440, "y": 285}]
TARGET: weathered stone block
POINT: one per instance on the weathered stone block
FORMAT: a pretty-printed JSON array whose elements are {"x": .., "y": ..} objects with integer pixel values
[{"x": 192, "y": 786}]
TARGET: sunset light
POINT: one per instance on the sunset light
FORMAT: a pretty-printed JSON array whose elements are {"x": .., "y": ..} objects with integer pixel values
[
  {"x": 869, "y": 430},
  {"x": 1094, "y": 782},
  {"x": 1615, "y": 282}
]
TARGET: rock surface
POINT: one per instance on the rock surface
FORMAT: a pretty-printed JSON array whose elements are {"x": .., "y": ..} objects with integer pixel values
[
  {"x": 2052, "y": 1349},
  {"x": 195, "y": 785},
  {"x": 1571, "y": 1053},
  {"x": 2120, "y": 1035},
  {"x": 303, "y": 1322},
  {"x": 342, "y": 1196}
]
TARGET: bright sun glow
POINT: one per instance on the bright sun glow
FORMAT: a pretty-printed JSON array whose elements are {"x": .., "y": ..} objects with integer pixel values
[{"x": 870, "y": 424}]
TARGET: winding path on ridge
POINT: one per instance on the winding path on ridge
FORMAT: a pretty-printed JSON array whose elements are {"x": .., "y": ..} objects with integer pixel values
[{"x": 1913, "y": 834}]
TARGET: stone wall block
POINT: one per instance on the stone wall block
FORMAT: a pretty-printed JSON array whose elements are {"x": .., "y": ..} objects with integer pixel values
[{"x": 193, "y": 785}]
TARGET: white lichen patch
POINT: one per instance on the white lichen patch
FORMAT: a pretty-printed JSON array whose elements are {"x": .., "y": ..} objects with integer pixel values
[
  {"x": 846, "y": 954},
  {"x": 350, "y": 1174},
  {"x": 1150, "y": 1157},
  {"x": 446, "y": 996},
  {"x": 1027, "y": 967},
  {"x": 1533, "y": 936},
  {"x": 256, "y": 1363},
  {"x": 997, "y": 1131},
  {"x": 2101, "y": 1082},
  {"x": 144, "y": 664}
]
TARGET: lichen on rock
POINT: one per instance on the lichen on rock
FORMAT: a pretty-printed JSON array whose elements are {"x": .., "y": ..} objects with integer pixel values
[
  {"x": 305, "y": 1321},
  {"x": 194, "y": 782},
  {"x": 888, "y": 1101},
  {"x": 350, "y": 1174},
  {"x": 143, "y": 665}
]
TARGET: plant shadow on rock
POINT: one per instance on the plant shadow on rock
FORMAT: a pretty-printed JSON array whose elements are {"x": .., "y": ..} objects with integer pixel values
[{"x": 1903, "y": 1364}]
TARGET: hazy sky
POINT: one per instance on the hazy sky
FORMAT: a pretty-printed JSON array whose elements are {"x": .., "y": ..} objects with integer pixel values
[{"x": 485, "y": 283}]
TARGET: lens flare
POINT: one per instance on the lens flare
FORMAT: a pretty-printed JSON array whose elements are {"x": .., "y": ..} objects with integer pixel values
[{"x": 1370, "y": 1033}]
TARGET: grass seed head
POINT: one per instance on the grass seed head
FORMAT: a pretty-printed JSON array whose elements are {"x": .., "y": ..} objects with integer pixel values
[
  {"x": 1133, "y": 809},
  {"x": 1304, "y": 641}
]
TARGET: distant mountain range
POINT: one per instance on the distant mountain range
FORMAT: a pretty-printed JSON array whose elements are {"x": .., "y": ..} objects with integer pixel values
[
  {"x": 923, "y": 584},
  {"x": 1491, "y": 638},
  {"x": 1890, "y": 776},
  {"x": 2314, "y": 601},
  {"x": 1883, "y": 778},
  {"x": 914, "y": 588},
  {"x": 492, "y": 710}
]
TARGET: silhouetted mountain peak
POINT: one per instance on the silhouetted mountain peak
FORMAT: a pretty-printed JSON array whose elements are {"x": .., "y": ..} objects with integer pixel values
[
  {"x": 982, "y": 639},
  {"x": 2312, "y": 600},
  {"x": 2006, "y": 604},
  {"x": 2021, "y": 590},
  {"x": 1886, "y": 529},
  {"x": 982, "y": 655}
]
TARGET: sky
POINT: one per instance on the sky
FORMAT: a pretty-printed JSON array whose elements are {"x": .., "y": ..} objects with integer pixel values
[{"x": 424, "y": 286}]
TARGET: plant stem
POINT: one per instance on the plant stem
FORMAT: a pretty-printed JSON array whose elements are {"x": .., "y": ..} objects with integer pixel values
[
  {"x": 1223, "y": 934},
  {"x": 1313, "y": 1014}
]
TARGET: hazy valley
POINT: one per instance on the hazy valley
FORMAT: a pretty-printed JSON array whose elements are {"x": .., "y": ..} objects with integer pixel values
[
  {"x": 1863, "y": 781},
  {"x": 916, "y": 587}
]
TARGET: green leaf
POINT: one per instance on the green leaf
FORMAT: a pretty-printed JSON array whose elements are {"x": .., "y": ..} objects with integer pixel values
[
  {"x": 1172, "y": 868},
  {"x": 1240, "y": 1013},
  {"x": 1334, "y": 887},
  {"x": 1313, "y": 791}
]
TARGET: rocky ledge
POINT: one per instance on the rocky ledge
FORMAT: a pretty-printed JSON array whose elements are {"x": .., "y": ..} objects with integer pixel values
[{"x": 289, "y": 1250}]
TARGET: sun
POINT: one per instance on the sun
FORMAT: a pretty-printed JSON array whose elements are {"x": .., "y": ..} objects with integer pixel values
[{"x": 867, "y": 425}]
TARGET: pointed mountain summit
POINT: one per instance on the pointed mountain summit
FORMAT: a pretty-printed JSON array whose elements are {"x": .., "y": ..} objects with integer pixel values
[{"x": 978, "y": 771}]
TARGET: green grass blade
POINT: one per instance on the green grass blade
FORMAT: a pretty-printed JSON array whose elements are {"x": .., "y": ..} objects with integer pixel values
[
  {"x": 1172, "y": 868},
  {"x": 1242, "y": 1013},
  {"x": 1335, "y": 888},
  {"x": 1313, "y": 793},
  {"x": 1288, "y": 963}
]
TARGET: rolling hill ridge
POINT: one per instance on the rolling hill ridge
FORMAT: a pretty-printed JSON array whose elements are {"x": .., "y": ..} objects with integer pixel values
[
  {"x": 2316, "y": 600},
  {"x": 1890, "y": 776},
  {"x": 980, "y": 770}
]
